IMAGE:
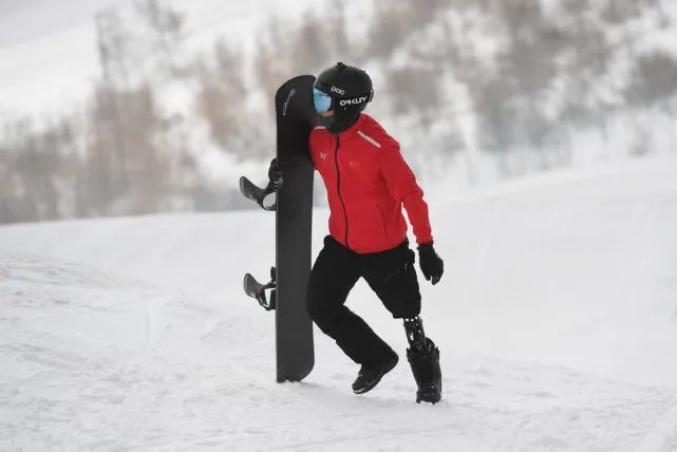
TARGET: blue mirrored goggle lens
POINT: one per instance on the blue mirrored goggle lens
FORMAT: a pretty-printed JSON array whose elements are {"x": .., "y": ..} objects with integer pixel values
[{"x": 321, "y": 100}]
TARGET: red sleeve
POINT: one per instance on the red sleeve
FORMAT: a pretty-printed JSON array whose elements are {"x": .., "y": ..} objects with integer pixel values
[{"x": 404, "y": 188}]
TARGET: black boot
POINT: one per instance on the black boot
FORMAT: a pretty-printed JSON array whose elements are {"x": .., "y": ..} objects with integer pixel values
[
  {"x": 370, "y": 375},
  {"x": 425, "y": 364}
]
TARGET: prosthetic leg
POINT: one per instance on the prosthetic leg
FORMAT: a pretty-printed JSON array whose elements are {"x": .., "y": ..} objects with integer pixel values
[{"x": 424, "y": 358}]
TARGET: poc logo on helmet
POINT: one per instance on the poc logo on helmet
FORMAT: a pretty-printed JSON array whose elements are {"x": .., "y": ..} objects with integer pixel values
[
  {"x": 337, "y": 90},
  {"x": 355, "y": 101}
]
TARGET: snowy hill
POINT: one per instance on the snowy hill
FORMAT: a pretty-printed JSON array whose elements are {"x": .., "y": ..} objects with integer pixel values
[{"x": 556, "y": 318}]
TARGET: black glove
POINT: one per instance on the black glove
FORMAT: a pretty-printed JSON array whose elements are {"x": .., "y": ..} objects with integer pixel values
[
  {"x": 274, "y": 175},
  {"x": 431, "y": 264}
]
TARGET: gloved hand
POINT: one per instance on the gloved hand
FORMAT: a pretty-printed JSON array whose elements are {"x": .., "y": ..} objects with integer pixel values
[
  {"x": 431, "y": 264},
  {"x": 274, "y": 175}
]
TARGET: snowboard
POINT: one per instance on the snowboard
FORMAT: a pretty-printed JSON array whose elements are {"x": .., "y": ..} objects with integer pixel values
[{"x": 288, "y": 283}]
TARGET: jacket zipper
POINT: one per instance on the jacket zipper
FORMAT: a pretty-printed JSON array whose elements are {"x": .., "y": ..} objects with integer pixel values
[{"x": 338, "y": 186}]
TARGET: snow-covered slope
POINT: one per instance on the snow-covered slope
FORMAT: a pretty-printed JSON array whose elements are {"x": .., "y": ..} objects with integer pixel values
[{"x": 557, "y": 321}]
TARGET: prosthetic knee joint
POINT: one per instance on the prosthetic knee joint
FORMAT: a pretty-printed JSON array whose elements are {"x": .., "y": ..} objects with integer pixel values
[{"x": 424, "y": 358}]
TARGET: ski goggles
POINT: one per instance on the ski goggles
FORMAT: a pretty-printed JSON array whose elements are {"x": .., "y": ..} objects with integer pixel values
[{"x": 321, "y": 100}]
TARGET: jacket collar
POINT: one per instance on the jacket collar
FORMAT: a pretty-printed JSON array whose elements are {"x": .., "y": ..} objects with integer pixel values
[{"x": 352, "y": 130}]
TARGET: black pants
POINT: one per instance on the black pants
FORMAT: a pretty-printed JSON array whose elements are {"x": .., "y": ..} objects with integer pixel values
[{"x": 391, "y": 274}]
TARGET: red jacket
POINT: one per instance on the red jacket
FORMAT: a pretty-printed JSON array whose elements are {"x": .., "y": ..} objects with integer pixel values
[{"x": 367, "y": 183}]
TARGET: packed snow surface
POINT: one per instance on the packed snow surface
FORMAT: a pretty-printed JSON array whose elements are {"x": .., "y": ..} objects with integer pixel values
[{"x": 556, "y": 319}]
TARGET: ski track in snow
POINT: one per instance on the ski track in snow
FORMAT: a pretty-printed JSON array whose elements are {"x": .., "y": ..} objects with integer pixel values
[{"x": 165, "y": 353}]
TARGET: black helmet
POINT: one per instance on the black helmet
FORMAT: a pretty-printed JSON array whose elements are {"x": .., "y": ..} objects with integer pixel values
[{"x": 340, "y": 93}]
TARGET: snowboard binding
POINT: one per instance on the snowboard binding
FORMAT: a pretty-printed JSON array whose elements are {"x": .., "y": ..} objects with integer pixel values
[
  {"x": 256, "y": 290},
  {"x": 258, "y": 194},
  {"x": 424, "y": 359}
]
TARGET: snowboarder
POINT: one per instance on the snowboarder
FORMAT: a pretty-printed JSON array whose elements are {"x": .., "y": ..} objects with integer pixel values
[{"x": 368, "y": 182}]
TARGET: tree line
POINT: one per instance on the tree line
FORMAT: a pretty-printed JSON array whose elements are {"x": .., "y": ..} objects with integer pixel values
[{"x": 526, "y": 77}]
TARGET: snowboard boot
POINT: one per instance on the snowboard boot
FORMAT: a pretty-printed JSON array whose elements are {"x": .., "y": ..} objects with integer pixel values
[
  {"x": 370, "y": 375},
  {"x": 425, "y": 365}
]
